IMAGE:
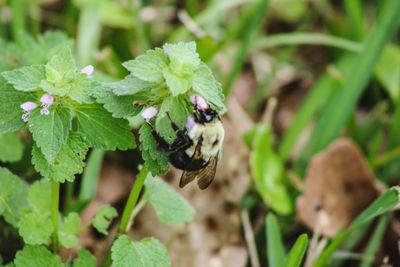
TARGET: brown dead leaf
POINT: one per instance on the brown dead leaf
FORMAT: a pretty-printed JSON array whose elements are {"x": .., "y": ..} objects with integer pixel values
[{"x": 339, "y": 184}]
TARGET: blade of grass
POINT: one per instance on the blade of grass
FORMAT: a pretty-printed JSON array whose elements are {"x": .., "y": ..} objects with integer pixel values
[
  {"x": 355, "y": 17},
  {"x": 275, "y": 249},
  {"x": 88, "y": 37},
  {"x": 254, "y": 24},
  {"x": 91, "y": 175},
  {"x": 302, "y": 38},
  {"x": 319, "y": 94},
  {"x": 373, "y": 245},
  {"x": 296, "y": 254},
  {"x": 18, "y": 23},
  {"x": 385, "y": 203},
  {"x": 332, "y": 122}
]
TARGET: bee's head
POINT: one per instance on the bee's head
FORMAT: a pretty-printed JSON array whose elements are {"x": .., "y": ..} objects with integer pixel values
[{"x": 202, "y": 112}]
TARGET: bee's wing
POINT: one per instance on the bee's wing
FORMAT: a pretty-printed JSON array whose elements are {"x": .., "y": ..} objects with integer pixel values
[
  {"x": 206, "y": 175},
  {"x": 188, "y": 176}
]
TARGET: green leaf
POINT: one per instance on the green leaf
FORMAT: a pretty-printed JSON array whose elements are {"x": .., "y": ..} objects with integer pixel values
[
  {"x": 177, "y": 84},
  {"x": 183, "y": 58},
  {"x": 103, "y": 131},
  {"x": 177, "y": 110},
  {"x": 80, "y": 89},
  {"x": 10, "y": 110},
  {"x": 130, "y": 85},
  {"x": 268, "y": 172},
  {"x": 37, "y": 256},
  {"x": 119, "y": 106},
  {"x": 148, "y": 67},
  {"x": 156, "y": 161},
  {"x": 11, "y": 147},
  {"x": 69, "y": 230},
  {"x": 50, "y": 132},
  {"x": 35, "y": 228},
  {"x": 170, "y": 206},
  {"x": 13, "y": 200},
  {"x": 85, "y": 259},
  {"x": 205, "y": 85},
  {"x": 61, "y": 68},
  {"x": 103, "y": 218},
  {"x": 39, "y": 197},
  {"x": 331, "y": 122},
  {"x": 68, "y": 162},
  {"x": 387, "y": 70},
  {"x": 149, "y": 252},
  {"x": 26, "y": 78},
  {"x": 297, "y": 252},
  {"x": 91, "y": 175},
  {"x": 275, "y": 248}
]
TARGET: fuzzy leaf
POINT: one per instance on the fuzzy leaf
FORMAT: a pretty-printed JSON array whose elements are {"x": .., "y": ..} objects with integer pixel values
[
  {"x": 176, "y": 83},
  {"x": 183, "y": 57},
  {"x": 148, "y": 67},
  {"x": 149, "y": 252},
  {"x": 13, "y": 200},
  {"x": 103, "y": 218},
  {"x": 205, "y": 85},
  {"x": 37, "y": 256},
  {"x": 69, "y": 230},
  {"x": 69, "y": 160},
  {"x": 80, "y": 89},
  {"x": 171, "y": 207},
  {"x": 119, "y": 106},
  {"x": 35, "y": 228},
  {"x": 10, "y": 110},
  {"x": 39, "y": 197},
  {"x": 11, "y": 147},
  {"x": 85, "y": 259},
  {"x": 103, "y": 131},
  {"x": 156, "y": 161},
  {"x": 61, "y": 68},
  {"x": 50, "y": 132},
  {"x": 130, "y": 85},
  {"x": 26, "y": 78}
]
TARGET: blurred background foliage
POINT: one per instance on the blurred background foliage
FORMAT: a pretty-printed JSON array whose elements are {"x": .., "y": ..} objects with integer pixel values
[{"x": 304, "y": 72}]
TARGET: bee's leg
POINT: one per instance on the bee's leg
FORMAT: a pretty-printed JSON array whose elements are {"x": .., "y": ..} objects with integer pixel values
[
  {"x": 162, "y": 143},
  {"x": 181, "y": 134}
]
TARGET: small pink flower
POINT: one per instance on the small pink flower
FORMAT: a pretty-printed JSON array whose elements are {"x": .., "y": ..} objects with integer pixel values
[
  {"x": 27, "y": 108},
  {"x": 190, "y": 123},
  {"x": 46, "y": 100},
  {"x": 88, "y": 70},
  {"x": 149, "y": 113},
  {"x": 199, "y": 102}
]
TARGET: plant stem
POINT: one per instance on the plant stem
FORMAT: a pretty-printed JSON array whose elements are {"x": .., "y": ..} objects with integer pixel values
[
  {"x": 55, "y": 199},
  {"x": 132, "y": 200}
]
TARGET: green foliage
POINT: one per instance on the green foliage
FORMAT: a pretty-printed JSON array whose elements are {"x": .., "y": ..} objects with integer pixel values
[
  {"x": 37, "y": 256},
  {"x": 11, "y": 147},
  {"x": 13, "y": 199},
  {"x": 387, "y": 70},
  {"x": 275, "y": 249},
  {"x": 171, "y": 207},
  {"x": 69, "y": 230},
  {"x": 297, "y": 252},
  {"x": 26, "y": 78},
  {"x": 149, "y": 252},
  {"x": 50, "y": 132},
  {"x": 60, "y": 70},
  {"x": 101, "y": 130},
  {"x": 85, "y": 259},
  {"x": 268, "y": 171},
  {"x": 156, "y": 161},
  {"x": 103, "y": 218},
  {"x": 68, "y": 162}
]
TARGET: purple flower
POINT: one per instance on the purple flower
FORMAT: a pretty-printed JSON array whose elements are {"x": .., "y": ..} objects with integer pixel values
[
  {"x": 27, "y": 108},
  {"x": 190, "y": 122},
  {"x": 46, "y": 100},
  {"x": 199, "y": 102},
  {"x": 149, "y": 113},
  {"x": 88, "y": 70}
]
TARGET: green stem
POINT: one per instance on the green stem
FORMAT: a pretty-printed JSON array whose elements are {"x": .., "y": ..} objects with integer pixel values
[
  {"x": 55, "y": 199},
  {"x": 386, "y": 158},
  {"x": 132, "y": 200}
]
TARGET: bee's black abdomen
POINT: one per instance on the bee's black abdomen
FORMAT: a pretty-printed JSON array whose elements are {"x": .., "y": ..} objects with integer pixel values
[{"x": 182, "y": 161}]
